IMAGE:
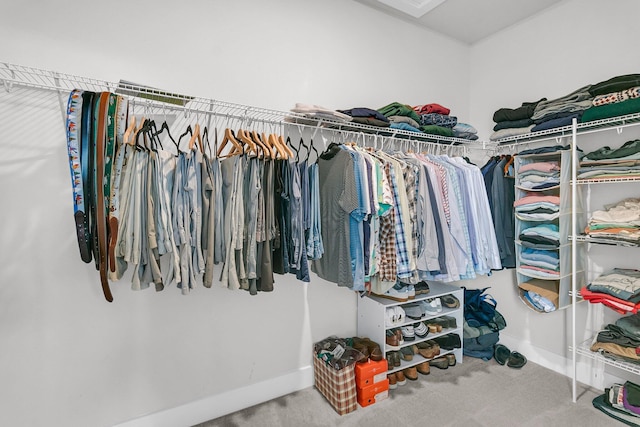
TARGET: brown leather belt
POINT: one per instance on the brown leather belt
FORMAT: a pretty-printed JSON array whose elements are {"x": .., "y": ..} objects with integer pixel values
[{"x": 101, "y": 218}]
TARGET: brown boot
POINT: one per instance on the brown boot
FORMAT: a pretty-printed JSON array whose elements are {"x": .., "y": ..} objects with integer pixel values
[
  {"x": 400, "y": 378},
  {"x": 411, "y": 373},
  {"x": 424, "y": 368},
  {"x": 392, "y": 381}
]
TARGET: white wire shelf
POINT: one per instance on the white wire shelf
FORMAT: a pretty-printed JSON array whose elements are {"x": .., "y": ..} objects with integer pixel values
[
  {"x": 585, "y": 349},
  {"x": 588, "y": 181},
  {"x": 618, "y": 122},
  {"x": 13, "y": 76},
  {"x": 603, "y": 241}
]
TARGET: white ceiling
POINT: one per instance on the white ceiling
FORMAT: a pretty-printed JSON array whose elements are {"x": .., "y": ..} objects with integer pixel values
[{"x": 468, "y": 21}]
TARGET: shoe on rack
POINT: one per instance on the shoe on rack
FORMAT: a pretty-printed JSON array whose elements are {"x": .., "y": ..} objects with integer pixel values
[
  {"x": 448, "y": 322},
  {"x": 400, "y": 378},
  {"x": 424, "y": 368},
  {"x": 422, "y": 288},
  {"x": 397, "y": 293},
  {"x": 391, "y": 339},
  {"x": 428, "y": 349},
  {"x": 408, "y": 333},
  {"x": 390, "y": 316},
  {"x": 413, "y": 311},
  {"x": 449, "y": 341},
  {"x": 420, "y": 329},
  {"x": 411, "y": 290},
  {"x": 433, "y": 306},
  {"x": 400, "y": 314},
  {"x": 451, "y": 358},
  {"x": 450, "y": 301},
  {"x": 440, "y": 362},
  {"x": 393, "y": 359},
  {"x": 406, "y": 353},
  {"x": 392, "y": 381},
  {"x": 434, "y": 327},
  {"x": 411, "y": 373}
]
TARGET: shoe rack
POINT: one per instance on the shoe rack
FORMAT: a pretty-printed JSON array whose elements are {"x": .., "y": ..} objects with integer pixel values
[{"x": 372, "y": 324}]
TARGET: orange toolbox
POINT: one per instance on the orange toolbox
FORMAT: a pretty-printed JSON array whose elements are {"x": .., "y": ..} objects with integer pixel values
[
  {"x": 373, "y": 393},
  {"x": 370, "y": 372}
]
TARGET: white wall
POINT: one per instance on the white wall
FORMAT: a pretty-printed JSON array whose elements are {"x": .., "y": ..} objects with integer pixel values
[
  {"x": 68, "y": 357},
  {"x": 570, "y": 45}
]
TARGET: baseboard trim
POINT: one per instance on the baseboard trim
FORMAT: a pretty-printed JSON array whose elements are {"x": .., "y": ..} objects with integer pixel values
[
  {"x": 588, "y": 371},
  {"x": 222, "y": 404}
]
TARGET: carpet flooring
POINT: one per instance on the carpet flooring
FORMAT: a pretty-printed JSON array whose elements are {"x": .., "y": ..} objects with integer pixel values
[{"x": 471, "y": 394}]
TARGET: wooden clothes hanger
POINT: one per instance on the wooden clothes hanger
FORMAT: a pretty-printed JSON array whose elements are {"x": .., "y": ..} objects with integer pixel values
[
  {"x": 275, "y": 143},
  {"x": 284, "y": 144},
  {"x": 244, "y": 137},
  {"x": 229, "y": 137},
  {"x": 196, "y": 137},
  {"x": 129, "y": 131},
  {"x": 266, "y": 151}
]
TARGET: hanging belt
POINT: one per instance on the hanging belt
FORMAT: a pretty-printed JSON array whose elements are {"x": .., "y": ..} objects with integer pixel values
[
  {"x": 86, "y": 161},
  {"x": 100, "y": 208},
  {"x": 74, "y": 116}
]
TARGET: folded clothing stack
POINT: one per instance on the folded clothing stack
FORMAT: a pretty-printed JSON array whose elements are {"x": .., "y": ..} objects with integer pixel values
[
  {"x": 618, "y": 289},
  {"x": 605, "y": 162},
  {"x": 618, "y": 223},
  {"x": 317, "y": 112},
  {"x": 539, "y": 175},
  {"x": 559, "y": 112},
  {"x": 514, "y": 121},
  {"x": 620, "y": 340},
  {"x": 435, "y": 118},
  {"x": 534, "y": 207},
  {"x": 542, "y": 236},
  {"x": 617, "y": 96},
  {"x": 396, "y": 110},
  {"x": 367, "y": 116}
]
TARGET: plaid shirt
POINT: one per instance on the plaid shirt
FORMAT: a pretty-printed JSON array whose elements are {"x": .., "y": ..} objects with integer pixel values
[
  {"x": 402, "y": 252},
  {"x": 409, "y": 173},
  {"x": 386, "y": 264}
]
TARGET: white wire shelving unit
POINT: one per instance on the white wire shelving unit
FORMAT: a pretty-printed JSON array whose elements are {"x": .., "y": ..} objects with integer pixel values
[
  {"x": 578, "y": 129},
  {"x": 155, "y": 100}
]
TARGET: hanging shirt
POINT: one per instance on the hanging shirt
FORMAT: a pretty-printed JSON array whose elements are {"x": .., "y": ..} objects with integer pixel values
[{"x": 338, "y": 198}]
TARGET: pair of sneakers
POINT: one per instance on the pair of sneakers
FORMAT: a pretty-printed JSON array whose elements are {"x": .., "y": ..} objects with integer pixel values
[
  {"x": 400, "y": 292},
  {"x": 394, "y": 316},
  {"x": 409, "y": 332}
]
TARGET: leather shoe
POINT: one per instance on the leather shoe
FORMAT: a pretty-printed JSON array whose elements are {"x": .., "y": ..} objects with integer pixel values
[
  {"x": 406, "y": 353},
  {"x": 392, "y": 381},
  {"x": 400, "y": 378},
  {"x": 392, "y": 340},
  {"x": 440, "y": 362},
  {"x": 363, "y": 349},
  {"x": 428, "y": 349},
  {"x": 411, "y": 373},
  {"x": 424, "y": 368},
  {"x": 451, "y": 358},
  {"x": 375, "y": 353}
]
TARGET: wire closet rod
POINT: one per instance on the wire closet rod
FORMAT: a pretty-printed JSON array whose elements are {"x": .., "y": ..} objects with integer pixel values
[{"x": 18, "y": 75}]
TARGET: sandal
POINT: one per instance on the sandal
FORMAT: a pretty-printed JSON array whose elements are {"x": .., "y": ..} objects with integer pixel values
[{"x": 501, "y": 353}]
